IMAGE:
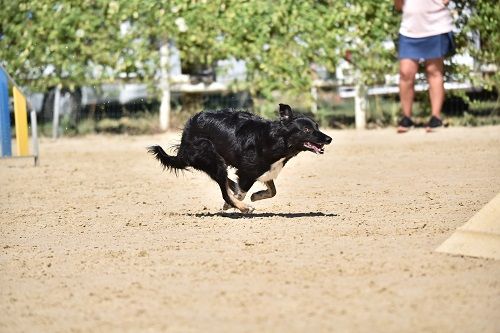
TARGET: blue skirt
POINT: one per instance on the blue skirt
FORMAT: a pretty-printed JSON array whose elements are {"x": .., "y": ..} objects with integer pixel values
[{"x": 425, "y": 48}]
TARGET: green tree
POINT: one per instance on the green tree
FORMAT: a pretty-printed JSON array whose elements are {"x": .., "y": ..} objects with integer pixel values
[
  {"x": 48, "y": 42},
  {"x": 45, "y": 43},
  {"x": 483, "y": 32}
]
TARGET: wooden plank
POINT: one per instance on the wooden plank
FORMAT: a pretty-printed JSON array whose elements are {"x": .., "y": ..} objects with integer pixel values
[
  {"x": 480, "y": 236},
  {"x": 21, "y": 122}
]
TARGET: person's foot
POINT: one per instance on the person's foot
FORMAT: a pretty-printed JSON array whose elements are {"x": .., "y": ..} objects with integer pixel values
[
  {"x": 433, "y": 124},
  {"x": 405, "y": 124}
]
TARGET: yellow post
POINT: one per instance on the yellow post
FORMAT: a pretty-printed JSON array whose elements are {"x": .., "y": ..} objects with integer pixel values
[{"x": 21, "y": 120}]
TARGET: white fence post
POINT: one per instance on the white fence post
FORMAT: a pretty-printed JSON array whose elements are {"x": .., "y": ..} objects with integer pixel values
[
  {"x": 57, "y": 106},
  {"x": 165, "y": 86},
  {"x": 314, "y": 95},
  {"x": 360, "y": 105},
  {"x": 34, "y": 135}
]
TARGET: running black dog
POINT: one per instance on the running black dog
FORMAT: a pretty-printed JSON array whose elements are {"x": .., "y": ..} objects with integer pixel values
[{"x": 257, "y": 148}]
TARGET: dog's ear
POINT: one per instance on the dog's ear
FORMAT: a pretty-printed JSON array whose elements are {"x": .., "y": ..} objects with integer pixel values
[{"x": 285, "y": 112}]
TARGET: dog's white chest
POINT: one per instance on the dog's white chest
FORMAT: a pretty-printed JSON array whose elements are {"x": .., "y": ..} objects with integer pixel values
[{"x": 273, "y": 171}]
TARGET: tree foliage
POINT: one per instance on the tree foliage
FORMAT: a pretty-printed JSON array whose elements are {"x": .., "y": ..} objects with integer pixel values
[
  {"x": 484, "y": 24},
  {"x": 44, "y": 43},
  {"x": 79, "y": 42}
]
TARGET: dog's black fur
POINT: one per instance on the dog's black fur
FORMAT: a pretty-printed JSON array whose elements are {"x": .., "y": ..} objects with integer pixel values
[{"x": 213, "y": 140}]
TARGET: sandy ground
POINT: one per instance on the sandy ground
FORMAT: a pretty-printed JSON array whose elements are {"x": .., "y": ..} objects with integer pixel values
[{"x": 99, "y": 239}]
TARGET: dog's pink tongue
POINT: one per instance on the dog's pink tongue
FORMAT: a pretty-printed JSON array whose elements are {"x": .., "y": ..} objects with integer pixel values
[{"x": 317, "y": 150}]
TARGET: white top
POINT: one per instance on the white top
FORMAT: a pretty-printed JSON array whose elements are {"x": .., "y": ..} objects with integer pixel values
[{"x": 424, "y": 18}]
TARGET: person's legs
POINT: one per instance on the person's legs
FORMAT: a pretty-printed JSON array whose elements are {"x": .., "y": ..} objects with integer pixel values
[
  {"x": 407, "y": 70},
  {"x": 434, "y": 71}
]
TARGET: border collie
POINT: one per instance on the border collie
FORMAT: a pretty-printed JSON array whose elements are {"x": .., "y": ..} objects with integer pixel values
[{"x": 257, "y": 148}]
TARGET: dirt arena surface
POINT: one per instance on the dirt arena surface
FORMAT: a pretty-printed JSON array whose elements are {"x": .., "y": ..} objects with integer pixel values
[{"x": 99, "y": 239}]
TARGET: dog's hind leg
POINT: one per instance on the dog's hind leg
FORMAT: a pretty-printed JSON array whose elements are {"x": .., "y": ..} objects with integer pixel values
[
  {"x": 266, "y": 194},
  {"x": 204, "y": 157}
]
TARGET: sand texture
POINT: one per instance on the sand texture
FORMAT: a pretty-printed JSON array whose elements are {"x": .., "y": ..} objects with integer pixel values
[{"x": 99, "y": 239}]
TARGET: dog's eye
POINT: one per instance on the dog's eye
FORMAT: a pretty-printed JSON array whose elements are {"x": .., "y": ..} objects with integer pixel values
[{"x": 307, "y": 129}]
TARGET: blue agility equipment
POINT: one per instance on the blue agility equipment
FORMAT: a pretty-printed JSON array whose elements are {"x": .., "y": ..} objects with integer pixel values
[
  {"x": 21, "y": 106},
  {"x": 5, "y": 131}
]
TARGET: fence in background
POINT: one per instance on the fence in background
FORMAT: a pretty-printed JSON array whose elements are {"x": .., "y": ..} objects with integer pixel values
[{"x": 112, "y": 108}]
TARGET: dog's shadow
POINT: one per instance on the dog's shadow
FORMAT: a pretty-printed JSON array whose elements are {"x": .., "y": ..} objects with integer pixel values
[{"x": 235, "y": 215}]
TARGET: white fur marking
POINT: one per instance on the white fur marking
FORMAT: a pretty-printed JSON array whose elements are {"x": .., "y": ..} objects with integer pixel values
[{"x": 273, "y": 171}]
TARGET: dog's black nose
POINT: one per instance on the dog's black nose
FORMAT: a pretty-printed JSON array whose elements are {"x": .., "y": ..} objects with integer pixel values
[{"x": 328, "y": 139}]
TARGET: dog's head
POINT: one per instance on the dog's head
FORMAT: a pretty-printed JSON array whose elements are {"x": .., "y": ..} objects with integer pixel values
[{"x": 303, "y": 132}]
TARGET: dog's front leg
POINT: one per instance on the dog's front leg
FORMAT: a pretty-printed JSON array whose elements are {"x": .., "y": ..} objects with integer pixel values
[
  {"x": 244, "y": 208},
  {"x": 233, "y": 186},
  {"x": 238, "y": 193},
  {"x": 266, "y": 194}
]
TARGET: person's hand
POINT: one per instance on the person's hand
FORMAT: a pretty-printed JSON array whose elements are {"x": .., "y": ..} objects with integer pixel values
[{"x": 446, "y": 2}]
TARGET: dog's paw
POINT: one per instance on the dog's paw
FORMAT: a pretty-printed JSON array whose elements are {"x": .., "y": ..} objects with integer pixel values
[
  {"x": 226, "y": 206},
  {"x": 255, "y": 196},
  {"x": 248, "y": 209},
  {"x": 260, "y": 196}
]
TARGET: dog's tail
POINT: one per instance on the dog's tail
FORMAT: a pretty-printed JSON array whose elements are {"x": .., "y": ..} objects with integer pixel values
[{"x": 173, "y": 163}]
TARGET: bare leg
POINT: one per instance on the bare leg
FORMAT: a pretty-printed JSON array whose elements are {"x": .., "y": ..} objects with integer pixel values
[
  {"x": 434, "y": 70},
  {"x": 407, "y": 70}
]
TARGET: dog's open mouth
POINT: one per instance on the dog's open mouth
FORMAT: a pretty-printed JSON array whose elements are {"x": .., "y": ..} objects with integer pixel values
[{"x": 314, "y": 147}]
